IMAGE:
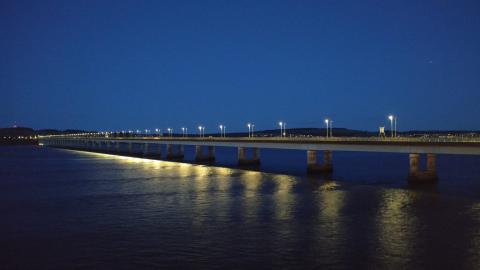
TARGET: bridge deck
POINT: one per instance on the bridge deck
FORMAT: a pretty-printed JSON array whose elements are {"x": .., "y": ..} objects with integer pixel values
[{"x": 395, "y": 145}]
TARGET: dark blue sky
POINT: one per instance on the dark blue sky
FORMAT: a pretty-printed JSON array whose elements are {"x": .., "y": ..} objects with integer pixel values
[{"x": 143, "y": 64}]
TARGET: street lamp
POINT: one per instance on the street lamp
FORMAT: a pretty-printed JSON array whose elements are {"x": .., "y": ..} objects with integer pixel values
[
  {"x": 170, "y": 132},
  {"x": 391, "y": 118},
  {"x": 331, "y": 129},
  {"x": 395, "y": 126},
  {"x": 249, "y": 129},
  {"x": 221, "y": 130},
  {"x": 281, "y": 128},
  {"x": 183, "y": 132},
  {"x": 327, "y": 122},
  {"x": 201, "y": 131}
]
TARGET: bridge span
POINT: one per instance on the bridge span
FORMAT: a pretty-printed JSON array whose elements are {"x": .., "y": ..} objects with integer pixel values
[{"x": 152, "y": 146}]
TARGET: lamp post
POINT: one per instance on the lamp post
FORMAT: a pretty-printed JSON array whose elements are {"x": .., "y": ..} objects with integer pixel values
[
  {"x": 183, "y": 132},
  {"x": 395, "y": 126},
  {"x": 281, "y": 128},
  {"x": 331, "y": 129},
  {"x": 249, "y": 129},
  {"x": 327, "y": 122},
  {"x": 391, "y": 117},
  {"x": 221, "y": 130}
]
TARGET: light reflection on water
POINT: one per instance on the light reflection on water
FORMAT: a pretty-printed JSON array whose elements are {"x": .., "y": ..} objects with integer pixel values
[
  {"x": 105, "y": 211},
  {"x": 396, "y": 227}
]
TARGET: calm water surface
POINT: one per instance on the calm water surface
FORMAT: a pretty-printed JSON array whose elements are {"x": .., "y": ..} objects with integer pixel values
[{"x": 62, "y": 209}]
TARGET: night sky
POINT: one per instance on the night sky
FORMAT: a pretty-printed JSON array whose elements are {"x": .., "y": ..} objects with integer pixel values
[{"x": 108, "y": 65}]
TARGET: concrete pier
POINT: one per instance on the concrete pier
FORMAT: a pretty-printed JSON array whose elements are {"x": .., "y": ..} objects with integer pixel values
[
  {"x": 314, "y": 167},
  {"x": 159, "y": 150},
  {"x": 199, "y": 157},
  {"x": 244, "y": 160},
  {"x": 414, "y": 163},
  {"x": 171, "y": 155},
  {"x": 417, "y": 175},
  {"x": 145, "y": 149}
]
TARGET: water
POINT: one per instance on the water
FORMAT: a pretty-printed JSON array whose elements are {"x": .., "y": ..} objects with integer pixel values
[{"x": 64, "y": 209}]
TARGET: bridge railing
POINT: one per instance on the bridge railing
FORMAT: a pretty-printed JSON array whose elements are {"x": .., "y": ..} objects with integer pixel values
[{"x": 446, "y": 139}]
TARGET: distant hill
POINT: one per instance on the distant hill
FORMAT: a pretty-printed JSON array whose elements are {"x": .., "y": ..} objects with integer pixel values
[
  {"x": 338, "y": 132},
  {"x": 345, "y": 132},
  {"x": 18, "y": 131},
  {"x": 17, "y": 135},
  {"x": 24, "y": 135},
  {"x": 59, "y": 132}
]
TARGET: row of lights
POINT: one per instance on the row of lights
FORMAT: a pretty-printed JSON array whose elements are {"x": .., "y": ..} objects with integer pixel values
[{"x": 250, "y": 126}]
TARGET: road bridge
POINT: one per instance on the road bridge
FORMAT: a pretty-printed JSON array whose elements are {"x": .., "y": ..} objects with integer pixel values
[{"x": 152, "y": 146}]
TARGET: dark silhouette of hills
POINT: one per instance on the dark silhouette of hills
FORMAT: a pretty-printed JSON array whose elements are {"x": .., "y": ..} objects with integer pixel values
[
  {"x": 18, "y": 131},
  {"x": 345, "y": 132},
  {"x": 24, "y": 135}
]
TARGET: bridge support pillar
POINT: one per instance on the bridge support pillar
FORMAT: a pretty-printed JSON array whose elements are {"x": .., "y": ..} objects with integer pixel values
[
  {"x": 199, "y": 157},
  {"x": 175, "y": 156},
  {"x": 314, "y": 167},
  {"x": 130, "y": 148},
  {"x": 242, "y": 157},
  {"x": 211, "y": 152},
  {"x": 417, "y": 175},
  {"x": 414, "y": 163},
  {"x": 159, "y": 150},
  {"x": 145, "y": 149},
  {"x": 431, "y": 163},
  {"x": 169, "y": 150}
]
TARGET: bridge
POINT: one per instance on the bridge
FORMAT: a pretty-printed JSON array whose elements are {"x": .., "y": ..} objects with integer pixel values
[{"x": 152, "y": 146}]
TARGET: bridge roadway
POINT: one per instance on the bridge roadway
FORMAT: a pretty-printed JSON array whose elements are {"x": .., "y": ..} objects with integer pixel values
[{"x": 412, "y": 146}]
